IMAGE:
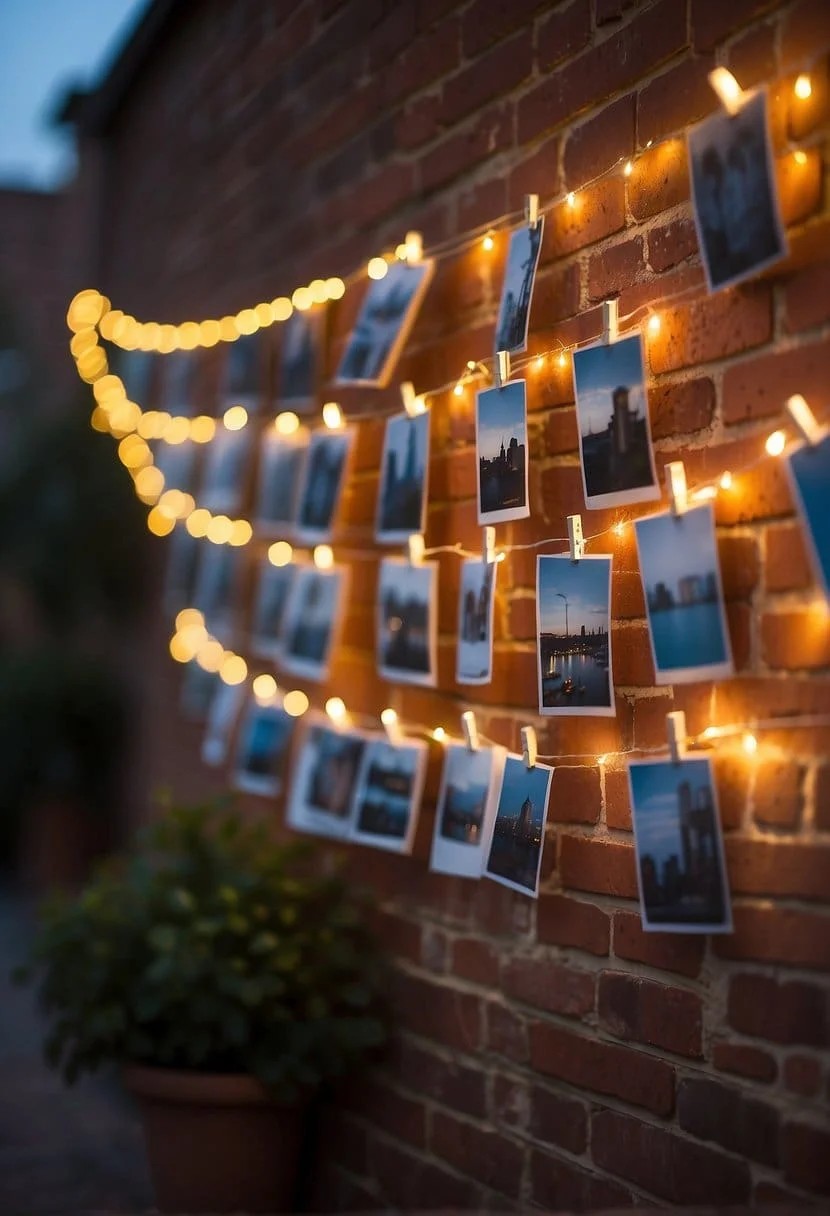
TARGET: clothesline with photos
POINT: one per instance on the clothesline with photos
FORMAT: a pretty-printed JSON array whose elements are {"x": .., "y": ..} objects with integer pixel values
[{"x": 366, "y": 786}]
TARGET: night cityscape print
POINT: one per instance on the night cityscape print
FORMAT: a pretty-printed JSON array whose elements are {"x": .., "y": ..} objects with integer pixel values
[
  {"x": 501, "y": 430},
  {"x": 574, "y": 645},
  {"x": 518, "y": 832}
]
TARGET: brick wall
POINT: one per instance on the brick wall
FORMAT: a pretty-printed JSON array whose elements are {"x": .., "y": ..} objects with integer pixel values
[{"x": 548, "y": 1053}]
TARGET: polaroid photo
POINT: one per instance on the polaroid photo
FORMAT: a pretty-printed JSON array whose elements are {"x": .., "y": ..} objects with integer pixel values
[
  {"x": 244, "y": 374},
  {"x": 612, "y": 415},
  {"x": 321, "y": 484},
  {"x": 808, "y": 467},
  {"x": 225, "y": 470},
  {"x": 386, "y": 316},
  {"x": 262, "y": 748},
  {"x": 466, "y": 809},
  {"x": 684, "y": 597},
  {"x": 402, "y": 500},
  {"x": 217, "y": 585},
  {"x": 517, "y": 291},
  {"x": 321, "y": 800},
  {"x": 388, "y": 794},
  {"x": 573, "y": 636},
  {"x": 270, "y": 603},
  {"x": 501, "y": 453},
  {"x": 178, "y": 384},
  {"x": 679, "y": 844},
  {"x": 407, "y": 621},
  {"x": 281, "y": 460},
  {"x": 177, "y": 464},
  {"x": 198, "y": 690},
  {"x": 136, "y": 370},
  {"x": 476, "y": 596},
  {"x": 311, "y": 619},
  {"x": 734, "y": 193},
  {"x": 222, "y": 715},
  {"x": 183, "y": 558},
  {"x": 514, "y": 851},
  {"x": 301, "y": 348}
]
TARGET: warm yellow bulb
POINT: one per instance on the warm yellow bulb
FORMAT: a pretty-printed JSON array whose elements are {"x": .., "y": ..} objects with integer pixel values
[
  {"x": 628, "y": 168},
  {"x": 83, "y": 340},
  {"x": 202, "y": 428},
  {"x": 198, "y": 522},
  {"x": 725, "y": 481},
  {"x": 99, "y": 421},
  {"x": 188, "y": 335},
  {"x": 286, "y": 423},
  {"x": 219, "y": 530},
  {"x": 319, "y": 293},
  {"x": 439, "y": 735},
  {"x": 401, "y": 252},
  {"x": 85, "y": 309},
  {"x": 160, "y": 523},
  {"x": 336, "y": 709},
  {"x": 247, "y": 321},
  {"x": 539, "y": 362},
  {"x": 264, "y": 688},
  {"x": 302, "y": 299},
  {"x": 195, "y": 636},
  {"x": 571, "y": 200},
  {"x": 776, "y": 442},
  {"x": 177, "y": 431},
  {"x": 209, "y": 333},
  {"x": 133, "y": 452},
  {"x": 488, "y": 243},
  {"x": 377, "y": 268},
  {"x": 458, "y": 390},
  {"x": 92, "y": 364},
  {"x": 803, "y": 87},
  {"x": 282, "y": 308},
  {"x": 108, "y": 389},
  {"x": 180, "y": 650},
  {"x": 562, "y": 360},
  {"x": 654, "y": 324},
  {"x": 323, "y": 557},
  {"x": 389, "y": 717},
  {"x": 335, "y": 288},
  {"x": 749, "y": 743},
  {"x": 280, "y": 553},
  {"x": 227, "y": 329},
  {"x": 619, "y": 528},
  {"x": 295, "y": 703},
  {"x": 264, "y": 314},
  {"x": 241, "y": 533},
  {"x": 235, "y": 418},
  {"x": 332, "y": 415},
  {"x": 211, "y": 655},
  {"x": 150, "y": 335},
  {"x": 234, "y": 669},
  {"x": 189, "y": 616},
  {"x": 174, "y": 502},
  {"x": 168, "y": 339},
  {"x": 149, "y": 483},
  {"x": 800, "y": 157}
]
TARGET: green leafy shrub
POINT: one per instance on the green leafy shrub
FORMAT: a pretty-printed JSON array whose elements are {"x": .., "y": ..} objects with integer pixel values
[{"x": 211, "y": 947}]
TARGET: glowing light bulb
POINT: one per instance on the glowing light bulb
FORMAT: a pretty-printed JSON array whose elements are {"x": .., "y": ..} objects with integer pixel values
[
  {"x": 562, "y": 360},
  {"x": 654, "y": 324},
  {"x": 264, "y": 314},
  {"x": 488, "y": 243},
  {"x": 189, "y": 616},
  {"x": 202, "y": 428},
  {"x": 619, "y": 528},
  {"x": 749, "y": 743},
  {"x": 235, "y": 418},
  {"x": 539, "y": 362},
  {"x": 247, "y": 322},
  {"x": 319, "y": 291},
  {"x": 282, "y": 308},
  {"x": 173, "y": 502},
  {"x": 177, "y": 431},
  {"x": 336, "y": 709},
  {"x": 458, "y": 390},
  {"x": 571, "y": 199},
  {"x": 400, "y": 252},
  {"x": 323, "y": 557},
  {"x": 803, "y": 86},
  {"x": 800, "y": 157},
  {"x": 628, "y": 168},
  {"x": 776, "y": 442},
  {"x": 211, "y": 656},
  {"x": 335, "y": 288},
  {"x": 280, "y": 553},
  {"x": 180, "y": 650},
  {"x": 389, "y": 717},
  {"x": 149, "y": 483},
  {"x": 241, "y": 533},
  {"x": 160, "y": 523},
  {"x": 439, "y": 735},
  {"x": 99, "y": 421},
  {"x": 302, "y": 299},
  {"x": 286, "y": 423},
  {"x": 264, "y": 688},
  {"x": 295, "y": 703},
  {"x": 377, "y": 268},
  {"x": 219, "y": 530},
  {"x": 198, "y": 522},
  {"x": 725, "y": 481},
  {"x": 602, "y": 759},
  {"x": 332, "y": 415},
  {"x": 233, "y": 670}
]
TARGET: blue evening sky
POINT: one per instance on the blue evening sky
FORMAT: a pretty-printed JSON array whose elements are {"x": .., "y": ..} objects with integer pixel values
[
  {"x": 501, "y": 413},
  {"x": 585, "y": 583},
  {"x": 656, "y": 806},
  {"x": 598, "y": 370},
  {"x": 811, "y": 469},
  {"x": 46, "y": 45},
  {"x": 397, "y": 438},
  {"x": 521, "y": 782},
  {"x": 672, "y": 546}
]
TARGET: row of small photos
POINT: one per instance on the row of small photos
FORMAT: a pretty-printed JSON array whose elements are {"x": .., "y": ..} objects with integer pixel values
[{"x": 360, "y": 787}]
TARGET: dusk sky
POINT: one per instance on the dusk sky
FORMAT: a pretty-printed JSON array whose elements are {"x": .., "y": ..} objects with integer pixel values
[
  {"x": 672, "y": 546},
  {"x": 598, "y": 370},
  {"x": 500, "y": 413},
  {"x": 585, "y": 583},
  {"x": 468, "y": 770},
  {"x": 46, "y": 45},
  {"x": 397, "y": 438},
  {"x": 656, "y": 807}
]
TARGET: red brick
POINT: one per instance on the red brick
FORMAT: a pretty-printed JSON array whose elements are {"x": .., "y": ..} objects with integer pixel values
[
  {"x": 491, "y": 76},
  {"x": 672, "y": 244},
  {"x": 778, "y": 867},
  {"x": 777, "y": 935},
  {"x": 555, "y": 1182},
  {"x": 555, "y": 296},
  {"x": 807, "y": 298},
  {"x": 614, "y": 268},
  {"x": 666, "y": 1164},
  {"x": 802, "y": 1075},
  {"x": 402, "y": 1117},
  {"x": 561, "y": 433},
  {"x": 788, "y": 1012},
  {"x": 575, "y": 795},
  {"x": 596, "y": 144},
  {"x": 400, "y": 936},
  {"x": 744, "y": 1061},
  {"x": 661, "y": 180},
  {"x": 404, "y": 1178},
  {"x": 483, "y": 1155},
  {"x": 570, "y": 922},
  {"x": 633, "y": 1008},
  {"x": 675, "y": 100},
  {"x": 805, "y": 1153},
  {"x": 712, "y": 1111},
  {"x": 797, "y": 639},
  {"x": 712, "y": 22},
  {"x": 597, "y": 212},
  {"x": 752, "y": 57},
  {"x": 557, "y": 1119},
  {"x": 757, "y": 387},
  {"x": 711, "y": 328},
  {"x": 439, "y": 1012},
  {"x": 432, "y": 55},
  {"x": 777, "y": 797},
  {"x": 678, "y": 952},
  {"x": 562, "y": 33},
  {"x": 740, "y": 566},
  {"x": 489, "y": 133},
  {"x": 681, "y": 408},
  {"x": 448, "y": 1081},
  {"x": 596, "y": 865},
  {"x": 822, "y": 798},
  {"x": 537, "y": 173},
  {"x": 611, "y": 10},
  {"x": 548, "y": 985},
  {"x": 786, "y": 567},
  {"x": 475, "y": 961},
  {"x": 492, "y": 20},
  {"x": 603, "y": 1068},
  {"x": 506, "y": 1033},
  {"x": 806, "y": 27}
]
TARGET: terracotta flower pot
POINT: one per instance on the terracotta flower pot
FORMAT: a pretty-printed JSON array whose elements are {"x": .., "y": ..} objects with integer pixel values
[{"x": 216, "y": 1142}]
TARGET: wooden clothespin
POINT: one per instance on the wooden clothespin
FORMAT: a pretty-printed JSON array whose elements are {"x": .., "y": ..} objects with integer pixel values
[
  {"x": 808, "y": 425},
  {"x": 729, "y": 92},
  {"x": 501, "y": 368},
  {"x": 676, "y": 486},
  {"x": 392, "y": 726},
  {"x": 470, "y": 729},
  {"x": 676, "y": 732},
  {"x": 488, "y": 547},
  {"x": 610, "y": 321},
  {"x": 532, "y": 210},
  {"x": 415, "y": 548},
  {"x": 530, "y": 747},
  {"x": 575, "y": 537}
]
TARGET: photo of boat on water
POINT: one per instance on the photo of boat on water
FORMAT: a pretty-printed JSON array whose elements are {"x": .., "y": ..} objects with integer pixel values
[{"x": 574, "y": 636}]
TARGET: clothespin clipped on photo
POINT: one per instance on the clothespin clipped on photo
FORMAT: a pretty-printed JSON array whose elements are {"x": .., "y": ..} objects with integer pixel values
[
  {"x": 488, "y": 548},
  {"x": 676, "y": 485},
  {"x": 415, "y": 549},
  {"x": 610, "y": 321},
  {"x": 730, "y": 94},
  {"x": 575, "y": 537},
  {"x": 392, "y": 726},
  {"x": 530, "y": 747},
  {"x": 413, "y": 404},
  {"x": 532, "y": 210},
  {"x": 470, "y": 729},
  {"x": 808, "y": 425},
  {"x": 676, "y": 732},
  {"x": 414, "y": 248},
  {"x": 501, "y": 368}
]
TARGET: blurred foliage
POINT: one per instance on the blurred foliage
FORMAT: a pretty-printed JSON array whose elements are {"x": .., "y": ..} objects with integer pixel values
[{"x": 211, "y": 947}]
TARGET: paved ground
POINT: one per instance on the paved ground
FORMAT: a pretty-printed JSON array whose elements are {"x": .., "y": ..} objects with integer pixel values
[{"x": 63, "y": 1152}]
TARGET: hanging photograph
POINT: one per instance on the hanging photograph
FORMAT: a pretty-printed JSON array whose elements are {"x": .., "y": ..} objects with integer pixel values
[
  {"x": 310, "y": 620},
  {"x": 301, "y": 345},
  {"x": 466, "y": 809},
  {"x": 734, "y": 193},
  {"x": 402, "y": 499},
  {"x": 614, "y": 432},
  {"x": 573, "y": 636},
  {"x": 501, "y": 453},
  {"x": 684, "y": 598},
  {"x": 198, "y": 690},
  {"x": 244, "y": 374},
  {"x": 679, "y": 844},
  {"x": 324, "y": 781},
  {"x": 262, "y": 748},
  {"x": 388, "y": 795},
  {"x": 386, "y": 316},
  {"x": 514, "y": 853},
  {"x": 224, "y": 710},
  {"x": 270, "y": 603},
  {"x": 178, "y": 384},
  {"x": 321, "y": 484},
  {"x": 225, "y": 470},
  {"x": 217, "y": 586},
  {"x": 407, "y": 621},
  {"x": 476, "y": 595},
  {"x": 183, "y": 558},
  {"x": 517, "y": 290},
  {"x": 278, "y": 481},
  {"x": 809, "y": 470}
]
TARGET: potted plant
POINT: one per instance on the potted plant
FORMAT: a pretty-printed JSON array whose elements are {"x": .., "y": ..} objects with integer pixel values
[{"x": 229, "y": 978}]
